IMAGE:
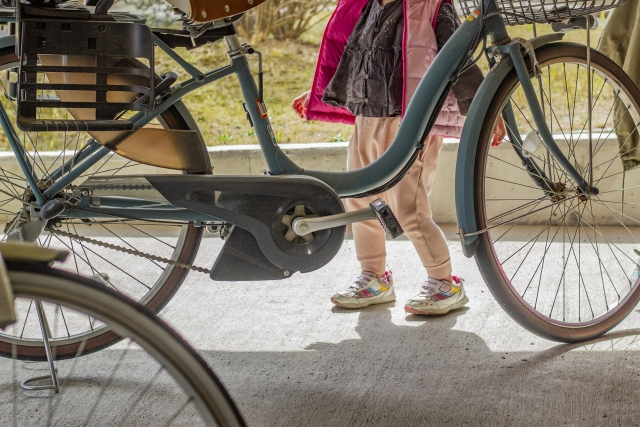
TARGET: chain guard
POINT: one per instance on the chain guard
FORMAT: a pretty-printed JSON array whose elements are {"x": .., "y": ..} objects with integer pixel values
[{"x": 258, "y": 205}]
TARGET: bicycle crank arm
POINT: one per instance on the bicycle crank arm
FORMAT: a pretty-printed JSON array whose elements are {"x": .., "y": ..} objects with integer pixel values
[
  {"x": 378, "y": 209},
  {"x": 303, "y": 226}
]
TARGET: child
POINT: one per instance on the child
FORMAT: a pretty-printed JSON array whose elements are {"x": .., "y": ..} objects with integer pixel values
[{"x": 371, "y": 60}]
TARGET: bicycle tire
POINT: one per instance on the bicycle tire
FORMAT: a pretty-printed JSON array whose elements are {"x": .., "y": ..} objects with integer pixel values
[
  {"x": 130, "y": 320},
  {"x": 160, "y": 292},
  {"x": 491, "y": 257}
]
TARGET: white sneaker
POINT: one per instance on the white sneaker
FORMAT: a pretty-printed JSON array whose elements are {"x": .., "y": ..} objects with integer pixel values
[
  {"x": 438, "y": 297},
  {"x": 365, "y": 291}
]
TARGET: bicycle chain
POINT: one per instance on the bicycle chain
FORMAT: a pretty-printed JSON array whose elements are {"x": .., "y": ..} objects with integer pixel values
[{"x": 129, "y": 251}]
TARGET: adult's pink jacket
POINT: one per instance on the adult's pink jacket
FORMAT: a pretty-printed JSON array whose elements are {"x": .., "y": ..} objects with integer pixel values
[{"x": 419, "y": 48}]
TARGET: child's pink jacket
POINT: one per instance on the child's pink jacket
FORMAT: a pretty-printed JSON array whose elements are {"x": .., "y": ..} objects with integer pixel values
[{"x": 419, "y": 48}]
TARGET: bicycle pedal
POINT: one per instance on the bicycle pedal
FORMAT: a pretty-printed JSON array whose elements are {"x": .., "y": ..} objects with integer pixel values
[{"x": 386, "y": 217}]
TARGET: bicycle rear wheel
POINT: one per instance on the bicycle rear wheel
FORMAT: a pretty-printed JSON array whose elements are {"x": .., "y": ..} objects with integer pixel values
[
  {"x": 561, "y": 264},
  {"x": 152, "y": 378},
  {"x": 152, "y": 283}
]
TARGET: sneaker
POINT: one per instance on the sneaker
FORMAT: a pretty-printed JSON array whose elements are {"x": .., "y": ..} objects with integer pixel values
[
  {"x": 438, "y": 297},
  {"x": 365, "y": 291}
]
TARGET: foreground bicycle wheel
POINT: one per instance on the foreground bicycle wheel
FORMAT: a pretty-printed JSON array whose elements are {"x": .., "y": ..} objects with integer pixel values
[
  {"x": 150, "y": 282},
  {"x": 152, "y": 377},
  {"x": 563, "y": 265}
]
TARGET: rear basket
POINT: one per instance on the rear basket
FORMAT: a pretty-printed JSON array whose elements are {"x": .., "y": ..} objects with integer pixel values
[
  {"x": 78, "y": 74},
  {"x": 518, "y": 12}
]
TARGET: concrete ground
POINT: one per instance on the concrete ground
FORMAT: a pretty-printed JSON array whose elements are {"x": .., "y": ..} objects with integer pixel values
[{"x": 290, "y": 358}]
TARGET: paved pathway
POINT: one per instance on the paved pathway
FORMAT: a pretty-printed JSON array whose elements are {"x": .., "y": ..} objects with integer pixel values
[{"x": 290, "y": 358}]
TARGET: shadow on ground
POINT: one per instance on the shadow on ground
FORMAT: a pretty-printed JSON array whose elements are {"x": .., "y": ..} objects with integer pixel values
[{"x": 433, "y": 375}]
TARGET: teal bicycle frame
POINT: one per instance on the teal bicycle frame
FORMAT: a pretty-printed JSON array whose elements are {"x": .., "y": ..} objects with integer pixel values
[{"x": 419, "y": 116}]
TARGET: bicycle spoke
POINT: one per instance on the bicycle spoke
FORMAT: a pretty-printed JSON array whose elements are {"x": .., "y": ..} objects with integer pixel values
[
  {"x": 179, "y": 411},
  {"x": 128, "y": 244},
  {"x": 109, "y": 381},
  {"x": 564, "y": 268},
  {"x": 532, "y": 240},
  {"x": 517, "y": 209},
  {"x": 514, "y": 183},
  {"x": 142, "y": 394},
  {"x": 547, "y": 246},
  {"x": 513, "y": 225}
]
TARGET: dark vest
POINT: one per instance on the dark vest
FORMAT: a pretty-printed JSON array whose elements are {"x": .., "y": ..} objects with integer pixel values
[{"x": 368, "y": 80}]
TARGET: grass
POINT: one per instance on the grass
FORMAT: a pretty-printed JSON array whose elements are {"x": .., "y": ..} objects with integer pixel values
[{"x": 288, "y": 71}]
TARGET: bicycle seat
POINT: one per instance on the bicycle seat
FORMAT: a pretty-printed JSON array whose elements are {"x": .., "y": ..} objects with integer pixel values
[{"x": 210, "y": 10}]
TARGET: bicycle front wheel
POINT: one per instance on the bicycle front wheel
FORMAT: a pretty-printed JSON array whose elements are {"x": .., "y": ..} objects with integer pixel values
[
  {"x": 561, "y": 264},
  {"x": 153, "y": 377}
]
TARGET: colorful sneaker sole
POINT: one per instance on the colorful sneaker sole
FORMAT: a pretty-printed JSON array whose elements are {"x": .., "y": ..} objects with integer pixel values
[
  {"x": 435, "y": 311},
  {"x": 366, "y": 302}
]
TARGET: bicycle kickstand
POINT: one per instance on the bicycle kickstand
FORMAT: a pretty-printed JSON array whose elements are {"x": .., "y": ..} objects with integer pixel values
[{"x": 53, "y": 371}]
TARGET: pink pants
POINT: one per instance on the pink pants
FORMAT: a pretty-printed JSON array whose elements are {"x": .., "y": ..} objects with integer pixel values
[{"x": 408, "y": 199}]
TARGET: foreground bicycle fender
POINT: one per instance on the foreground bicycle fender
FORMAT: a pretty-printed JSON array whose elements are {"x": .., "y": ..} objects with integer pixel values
[{"x": 465, "y": 163}]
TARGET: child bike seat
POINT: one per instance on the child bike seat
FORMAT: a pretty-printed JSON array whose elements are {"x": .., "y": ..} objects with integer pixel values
[{"x": 210, "y": 10}]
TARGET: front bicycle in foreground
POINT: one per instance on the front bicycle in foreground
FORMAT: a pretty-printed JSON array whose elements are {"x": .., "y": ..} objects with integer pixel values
[
  {"x": 550, "y": 213},
  {"x": 152, "y": 377}
]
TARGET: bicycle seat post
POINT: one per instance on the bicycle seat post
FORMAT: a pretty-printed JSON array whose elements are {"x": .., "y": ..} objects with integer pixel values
[{"x": 233, "y": 44}]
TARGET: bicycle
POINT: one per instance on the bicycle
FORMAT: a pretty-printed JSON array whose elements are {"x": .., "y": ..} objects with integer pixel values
[
  {"x": 152, "y": 375},
  {"x": 292, "y": 220}
]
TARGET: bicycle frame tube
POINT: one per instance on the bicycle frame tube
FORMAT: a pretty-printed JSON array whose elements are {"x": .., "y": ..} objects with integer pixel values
[
  {"x": 77, "y": 170},
  {"x": 422, "y": 107},
  {"x": 91, "y": 147}
]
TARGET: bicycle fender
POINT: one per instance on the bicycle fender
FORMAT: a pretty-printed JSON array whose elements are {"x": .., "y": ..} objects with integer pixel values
[
  {"x": 192, "y": 125},
  {"x": 469, "y": 140}
]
